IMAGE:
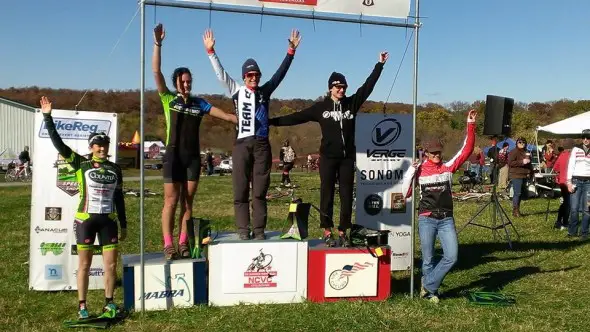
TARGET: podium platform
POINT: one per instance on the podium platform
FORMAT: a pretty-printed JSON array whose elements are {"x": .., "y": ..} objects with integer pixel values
[
  {"x": 178, "y": 283},
  {"x": 337, "y": 273},
  {"x": 257, "y": 271}
]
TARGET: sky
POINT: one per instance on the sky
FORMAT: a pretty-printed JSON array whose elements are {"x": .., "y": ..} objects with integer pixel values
[{"x": 529, "y": 50}]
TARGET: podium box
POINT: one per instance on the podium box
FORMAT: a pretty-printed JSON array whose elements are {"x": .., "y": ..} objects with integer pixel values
[
  {"x": 257, "y": 271},
  {"x": 177, "y": 283},
  {"x": 337, "y": 273}
]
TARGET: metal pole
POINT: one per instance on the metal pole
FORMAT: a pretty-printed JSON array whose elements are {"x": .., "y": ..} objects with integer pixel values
[
  {"x": 141, "y": 161},
  {"x": 415, "y": 103},
  {"x": 212, "y": 7}
]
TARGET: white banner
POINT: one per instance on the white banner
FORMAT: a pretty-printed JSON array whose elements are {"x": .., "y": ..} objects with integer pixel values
[
  {"x": 384, "y": 154},
  {"x": 53, "y": 261},
  {"x": 380, "y": 8}
]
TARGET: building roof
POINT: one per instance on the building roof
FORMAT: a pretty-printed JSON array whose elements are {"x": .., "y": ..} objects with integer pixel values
[{"x": 17, "y": 104}]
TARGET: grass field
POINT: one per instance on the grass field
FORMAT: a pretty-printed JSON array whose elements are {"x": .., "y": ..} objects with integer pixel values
[{"x": 546, "y": 272}]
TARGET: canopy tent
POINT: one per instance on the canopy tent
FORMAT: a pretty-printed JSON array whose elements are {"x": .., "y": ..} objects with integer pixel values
[{"x": 567, "y": 128}]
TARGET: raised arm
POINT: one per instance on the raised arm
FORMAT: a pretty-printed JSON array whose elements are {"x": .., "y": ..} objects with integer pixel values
[
  {"x": 362, "y": 94},
  {"x": 468, "y": 144},
  {"x": 296, "y": 118},
  {"x": 159, "y": 35},
  {"x": 230, "y": 84},
  {"x": 65, "y": 151},
  {"x": 280, "y": 74}
]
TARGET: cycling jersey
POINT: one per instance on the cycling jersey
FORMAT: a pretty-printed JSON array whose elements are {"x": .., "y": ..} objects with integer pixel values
[
  {"x": 183, "y": 120},
  {"x": 100, "y": 181},
  {"x": 436, "y": 180},
  {"x": 252, "y": 106}
]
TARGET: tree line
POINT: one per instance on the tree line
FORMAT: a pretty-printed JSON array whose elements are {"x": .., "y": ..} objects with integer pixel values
[{"x": 446, "y": 122}]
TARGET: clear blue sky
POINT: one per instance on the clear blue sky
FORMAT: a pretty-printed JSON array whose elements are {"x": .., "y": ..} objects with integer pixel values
[{"x": 531, "y": 50}]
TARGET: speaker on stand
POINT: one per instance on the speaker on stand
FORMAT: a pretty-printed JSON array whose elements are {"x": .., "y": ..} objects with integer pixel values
[{"x": 497, "y": 122}]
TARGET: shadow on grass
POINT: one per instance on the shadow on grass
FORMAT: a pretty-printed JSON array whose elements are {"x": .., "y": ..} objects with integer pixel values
[
  {"x": 496, "y": 281},
  {"x": 474, "y": 254}
]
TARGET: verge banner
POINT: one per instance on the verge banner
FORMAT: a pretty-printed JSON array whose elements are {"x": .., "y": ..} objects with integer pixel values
[
  {"x": 383, "y": 155},
  {"x": 380, "y": 8},
  {"x": 53, "y": 261}
]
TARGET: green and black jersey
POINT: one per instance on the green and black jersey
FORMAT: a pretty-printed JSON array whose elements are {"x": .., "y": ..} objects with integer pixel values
[
  {"x": 100, "y": 181},
  {"x": 183, "y": 120}
]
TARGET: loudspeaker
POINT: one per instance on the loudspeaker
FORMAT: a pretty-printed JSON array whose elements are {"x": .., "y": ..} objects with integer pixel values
[{"x": 498, "y": 118}]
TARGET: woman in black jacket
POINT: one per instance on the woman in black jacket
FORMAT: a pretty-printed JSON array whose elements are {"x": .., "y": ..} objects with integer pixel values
[{"x": 336, "y": 116}]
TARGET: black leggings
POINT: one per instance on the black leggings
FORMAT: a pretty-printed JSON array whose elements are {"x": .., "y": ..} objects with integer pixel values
[{"x": 332, "y": 169}]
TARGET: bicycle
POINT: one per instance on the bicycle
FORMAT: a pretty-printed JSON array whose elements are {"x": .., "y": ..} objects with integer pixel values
[
  {"x": 260, "y": 262},
  {"x": 21, "y": 173}
]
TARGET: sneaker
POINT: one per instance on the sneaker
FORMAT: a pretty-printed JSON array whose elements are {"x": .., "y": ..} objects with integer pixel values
[
  {"x": 170, "y": 253},
  {"x": 431, "y": 297},
  {"x": 329, "y": 240},
  {"x": 109, "y": 310},
  {"x": 343, "y": 240},
  {"x": 83, "y": 313},
  {"x": 184, "y": 250}
]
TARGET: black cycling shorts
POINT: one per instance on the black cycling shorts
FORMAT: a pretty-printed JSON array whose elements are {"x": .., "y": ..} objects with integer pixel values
[
  {"x": 179, "y": 169},
  {"x": 101, "y": 224}
]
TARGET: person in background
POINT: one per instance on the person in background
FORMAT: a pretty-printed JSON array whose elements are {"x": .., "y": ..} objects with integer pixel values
[
  {"x": 476, "y": 162},
  {"x": 435, "y": 218},
  {"x": 493, "y": 155},
  {"x": 560, "y": 168},
  {"x": 25, "y": 159},
  {"x": 578, "y": 184},
  {"x": 549, "y": 156},
  {"x": 519, "y": 161},
  {"x": 209, "y": 160},
  {"x": 287, "y": 157},
  {"x": 503, "y": 167}
]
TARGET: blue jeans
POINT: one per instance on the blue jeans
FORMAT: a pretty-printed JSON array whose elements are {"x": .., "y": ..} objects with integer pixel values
[
  {"x": 579, "y": 203},
  {"x": 428, "y": 229},
  {"x": 517, "y": 191}
]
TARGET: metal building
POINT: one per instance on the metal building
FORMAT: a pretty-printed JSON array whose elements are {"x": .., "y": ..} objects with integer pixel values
[{"x": 17, "y": 123}]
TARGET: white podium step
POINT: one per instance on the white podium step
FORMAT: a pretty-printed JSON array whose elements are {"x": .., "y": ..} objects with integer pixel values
[{"x": 257, "y": 271}]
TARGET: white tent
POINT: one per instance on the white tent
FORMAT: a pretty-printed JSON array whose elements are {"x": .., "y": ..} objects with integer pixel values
[
  {"x": 570, "y": 127},
  {"x": 566, "y": 128}
]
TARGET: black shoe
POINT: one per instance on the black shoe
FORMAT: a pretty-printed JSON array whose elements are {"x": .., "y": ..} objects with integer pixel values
[
  {"x": 343, "y": 240},
  {"x": 244, "y": 236},
  {"x": 329, "y": 240},
  {"x": 260, "y": 236}
]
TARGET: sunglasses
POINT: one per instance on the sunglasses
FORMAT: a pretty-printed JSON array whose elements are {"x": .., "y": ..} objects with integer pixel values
[{"x": 252, "y": 75}]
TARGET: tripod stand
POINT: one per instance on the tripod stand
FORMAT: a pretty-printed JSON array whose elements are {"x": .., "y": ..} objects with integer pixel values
[{"x": 497, "y": 212}]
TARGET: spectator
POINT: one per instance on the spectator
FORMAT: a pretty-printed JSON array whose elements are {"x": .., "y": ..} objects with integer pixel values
[
  {"x": 560, "y": 167},
  {"x": 578, "y": 184},
  {"x": 476, "y": 161},
  {"x": 287, "y": 157},
  {"x": 209, "y": 159},
  {"x": 493, "y": 155},
  {"x": 503, "y": 166},
  {"x": 519, "y": 161},
  {"x": 549, "y": 156}
]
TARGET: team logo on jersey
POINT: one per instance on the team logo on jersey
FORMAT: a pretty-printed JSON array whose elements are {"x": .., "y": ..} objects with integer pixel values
[
  {"x": 66, "y": 177},
  {"x": 338, "y": 115},
  {"x": 102, "y": 176}
]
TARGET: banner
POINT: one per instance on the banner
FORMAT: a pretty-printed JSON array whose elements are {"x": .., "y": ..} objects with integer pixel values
[
  {"x": 383, "y": 155},
  {"x": 53, "y": 261},
  {"x": 380, "y": 8}
]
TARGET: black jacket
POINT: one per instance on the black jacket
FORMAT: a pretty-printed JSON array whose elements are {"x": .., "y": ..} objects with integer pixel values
[{"x": 337, "y": 119}]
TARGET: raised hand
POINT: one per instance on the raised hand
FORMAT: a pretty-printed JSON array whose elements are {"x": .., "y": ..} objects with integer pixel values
[
  {"x": 208, "y": 40},
  {"x": 471, "y": 116},
  {"x": 159, "y": 34},
  {"x": 295, "y": 39},
  {"x": 383, "y": 56},
  {"x": 45, "y": 105}
]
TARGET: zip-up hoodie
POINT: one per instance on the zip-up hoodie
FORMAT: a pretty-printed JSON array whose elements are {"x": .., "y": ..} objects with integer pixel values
[{"x": 337, "y": 120}]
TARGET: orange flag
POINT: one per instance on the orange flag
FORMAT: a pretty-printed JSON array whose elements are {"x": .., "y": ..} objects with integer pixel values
[{"x": 136, "y": 139}]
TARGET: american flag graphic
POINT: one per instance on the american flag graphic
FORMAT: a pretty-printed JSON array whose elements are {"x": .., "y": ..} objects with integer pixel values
[{"x": 349, "y": 270}]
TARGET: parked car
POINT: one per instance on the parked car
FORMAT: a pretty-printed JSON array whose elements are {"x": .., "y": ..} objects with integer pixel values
[{"x": 225, "y": 166}]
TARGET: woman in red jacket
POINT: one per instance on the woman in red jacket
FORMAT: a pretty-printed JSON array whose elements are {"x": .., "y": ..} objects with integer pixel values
[{"x": 560, "y": 167}]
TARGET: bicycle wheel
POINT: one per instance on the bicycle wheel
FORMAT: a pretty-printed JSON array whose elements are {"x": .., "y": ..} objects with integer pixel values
[
  {"x": 266, "y": 262},
  {"x": 10, "y": 175}
]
